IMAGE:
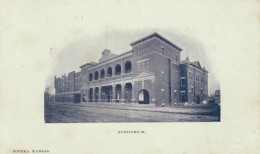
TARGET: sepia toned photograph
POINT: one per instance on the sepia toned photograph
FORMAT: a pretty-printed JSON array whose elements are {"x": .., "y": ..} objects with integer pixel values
[{"x": 149, "y": 83}]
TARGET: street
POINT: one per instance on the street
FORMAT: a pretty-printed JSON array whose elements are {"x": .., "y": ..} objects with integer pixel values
[{"x": 98, "y": 112}]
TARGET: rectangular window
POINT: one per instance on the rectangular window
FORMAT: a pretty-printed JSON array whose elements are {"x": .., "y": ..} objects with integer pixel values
[
  {"x": 163, "y": 93},
  {"x": 183, "y": 81},
  {"x": 162, "y": 49},
  {"x": 162, "y": 74}
]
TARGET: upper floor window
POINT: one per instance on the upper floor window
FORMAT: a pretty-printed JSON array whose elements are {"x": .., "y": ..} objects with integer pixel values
[
  {"x": 109, "y": 72},
  {"x": 143, "y": 52},
  {"x": 128, "y": 67},
  {"x": 183, "y": 81},
  {"x": 118, "y": 69},
  {"x": 162, "y": 75},
  {"x": 175, "y": 66},
  {"x": 102, "y": 74},
  {"x": 163, "y": 93},
  {"x": 197, "y": 78},
  {"x": 90, "y": 77},
  {"x": 96, "y": 75},
  {"x": 162, "y": 50}
]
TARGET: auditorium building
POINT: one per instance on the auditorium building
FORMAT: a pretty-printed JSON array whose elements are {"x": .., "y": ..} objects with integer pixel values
[{"x": 150, "y": 73}]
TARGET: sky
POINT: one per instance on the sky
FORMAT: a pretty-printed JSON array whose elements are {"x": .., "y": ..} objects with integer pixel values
[{"x": 59, "y": 37}]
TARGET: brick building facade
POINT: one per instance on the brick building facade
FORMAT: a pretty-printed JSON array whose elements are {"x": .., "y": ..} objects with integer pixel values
[{"x": 150, "y": 73}]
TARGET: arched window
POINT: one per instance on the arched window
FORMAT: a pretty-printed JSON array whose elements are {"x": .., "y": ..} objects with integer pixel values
[
  {"x": 90, "y": 77},
  {"x": 128, "y": 67},
  {"x": 118, "y": 69},
  {"x": 102, "y": 74},
  {"x": 109, "y": 72},
  {"x": 96, "y": 75}
]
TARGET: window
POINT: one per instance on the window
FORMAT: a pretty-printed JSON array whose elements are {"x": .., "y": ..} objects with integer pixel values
[
  {"x": 90, "y": 77},
  {"x": 162, "y": 75},
  {"x": 128, "y": 67},
  {"x": 175, "y": 66},
  {"x": 183, "y": 81},
  {"x": 197, "y": 77},
  {"x": 143, "y": 52},
  {"x": 163, "y": 93},
  {"x": 176, "y": 57},
  {"x": 162, "y": 49},
  {"x": 102, "y": 74},
  {"x": 109, "y": 72},
  {"x": 96, "y": 75},
  {"x": 118, "y": 69}
]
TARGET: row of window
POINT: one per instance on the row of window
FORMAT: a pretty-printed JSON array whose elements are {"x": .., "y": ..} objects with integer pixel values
[
  {"x": 197, "y": 77},
  {"x": 143, "y": 52},
  {"x": 183, "y": 80},
  {"x": 95, "y": 76}
]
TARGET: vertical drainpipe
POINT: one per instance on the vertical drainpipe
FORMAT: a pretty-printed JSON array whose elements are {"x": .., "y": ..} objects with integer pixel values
[
  {"x": 170, "y": 83},
  {"x": 187, "y": 83},
  {"x": 194, "y": 85}
]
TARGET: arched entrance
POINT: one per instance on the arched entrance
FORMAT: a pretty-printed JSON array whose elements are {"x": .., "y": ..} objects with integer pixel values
[{"x": 143, "y": 97}]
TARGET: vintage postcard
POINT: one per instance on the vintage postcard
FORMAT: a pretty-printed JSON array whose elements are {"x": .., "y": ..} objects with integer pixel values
[{"x": 148, "y": 77}]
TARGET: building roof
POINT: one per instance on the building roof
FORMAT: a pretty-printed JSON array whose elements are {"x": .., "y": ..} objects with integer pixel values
[
  {"x": 106, "y": 55},
  {"x": 91, "y": 63},
  {"x": 186, "y": 61},
  {"x": 158, "y": 36},
  {"x": 195, "y": 64},
  {"x": 106, "y": 60}
]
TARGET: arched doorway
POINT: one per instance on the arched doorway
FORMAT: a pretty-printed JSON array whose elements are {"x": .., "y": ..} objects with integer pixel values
[{"x": 143, "y": 97}]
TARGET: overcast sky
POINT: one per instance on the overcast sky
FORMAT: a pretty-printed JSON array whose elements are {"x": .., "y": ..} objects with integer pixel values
[
  {"x": 80, "y": 36},
  {"x": 54, "y": 38}
]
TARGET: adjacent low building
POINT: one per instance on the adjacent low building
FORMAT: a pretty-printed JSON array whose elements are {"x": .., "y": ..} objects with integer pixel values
[{"x": 150, "y": 73}]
